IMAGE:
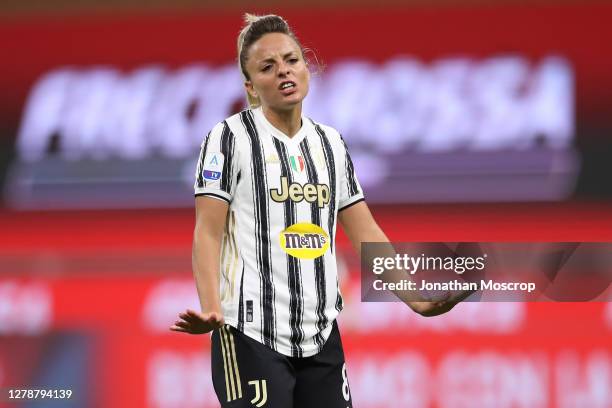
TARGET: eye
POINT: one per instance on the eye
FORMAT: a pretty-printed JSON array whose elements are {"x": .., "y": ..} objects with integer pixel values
[
  {"x": 266, "y": 68},
  {"x": 293, "y": 60}
]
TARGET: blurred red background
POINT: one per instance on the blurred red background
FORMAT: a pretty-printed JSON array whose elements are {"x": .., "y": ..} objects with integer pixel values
[{"x": 86, "y": 296}]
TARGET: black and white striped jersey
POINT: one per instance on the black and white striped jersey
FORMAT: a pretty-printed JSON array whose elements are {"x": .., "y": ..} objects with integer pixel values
[{"x": 279, "y": 282}]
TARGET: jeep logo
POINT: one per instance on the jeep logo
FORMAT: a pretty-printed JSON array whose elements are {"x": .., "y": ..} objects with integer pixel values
[{"x": 295, "y": 192}]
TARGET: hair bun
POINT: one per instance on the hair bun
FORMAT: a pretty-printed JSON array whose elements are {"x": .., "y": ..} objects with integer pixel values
[{"x": 250, "y": 19}]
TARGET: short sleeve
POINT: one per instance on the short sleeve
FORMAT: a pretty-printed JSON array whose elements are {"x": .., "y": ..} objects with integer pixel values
[
  {"x": 217, "y": 169},
  {"x": 350, "y": 189}
]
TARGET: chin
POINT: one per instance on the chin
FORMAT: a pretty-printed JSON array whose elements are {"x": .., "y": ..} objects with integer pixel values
[{"x": 288, "y": 104}]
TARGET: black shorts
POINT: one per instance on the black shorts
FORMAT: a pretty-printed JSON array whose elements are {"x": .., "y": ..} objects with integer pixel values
[{"x": 247, "y": 373}]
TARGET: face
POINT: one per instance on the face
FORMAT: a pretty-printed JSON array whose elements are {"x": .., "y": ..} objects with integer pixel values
[{"x": 278, "y": 73}]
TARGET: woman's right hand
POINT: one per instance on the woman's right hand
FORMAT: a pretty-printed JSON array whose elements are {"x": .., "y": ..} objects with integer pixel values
[{"x": 193, "y": 322}]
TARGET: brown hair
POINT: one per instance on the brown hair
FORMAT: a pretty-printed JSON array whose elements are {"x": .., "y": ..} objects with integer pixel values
[{"x": 255, "y": 28}]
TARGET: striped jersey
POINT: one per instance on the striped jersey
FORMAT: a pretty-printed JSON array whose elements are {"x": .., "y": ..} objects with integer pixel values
[{"x": 279, "y": 282}]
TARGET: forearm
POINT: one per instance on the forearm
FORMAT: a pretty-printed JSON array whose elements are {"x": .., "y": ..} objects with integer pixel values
[
  {"x": 424, "y": 304},
  {"x": 205, "y": 266},
  {"x": 414, "y": 299},
  {"x": 360, "y": 227},
  {"x": 371, "y": 232}
]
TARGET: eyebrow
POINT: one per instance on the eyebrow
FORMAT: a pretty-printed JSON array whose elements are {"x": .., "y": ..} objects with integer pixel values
[{"x": 270, "y": 59}]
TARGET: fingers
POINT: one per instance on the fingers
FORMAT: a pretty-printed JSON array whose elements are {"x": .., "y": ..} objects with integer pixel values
[
  {"x": 183, "y": 324},
  {"x": 190, "y": 321},
  {"x": 193, "y": 322},
  {"x": 195, "y": 317},
  {"x": 190, "y": 315}
]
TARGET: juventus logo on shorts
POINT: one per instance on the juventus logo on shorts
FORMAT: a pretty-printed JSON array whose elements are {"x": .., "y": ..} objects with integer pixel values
[{"x": 261, "y": 393}]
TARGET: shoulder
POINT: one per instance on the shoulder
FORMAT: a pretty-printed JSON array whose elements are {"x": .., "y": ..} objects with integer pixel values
[
  {"x": 330, "y": 132},
  {"x": 232, "y": 126},
  {"x": 235, "y": 121},
  {"x": 240, "y": 122}
]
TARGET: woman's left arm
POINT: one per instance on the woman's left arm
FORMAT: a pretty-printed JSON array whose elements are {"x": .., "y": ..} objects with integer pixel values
[{"x": 360, "y": 226}]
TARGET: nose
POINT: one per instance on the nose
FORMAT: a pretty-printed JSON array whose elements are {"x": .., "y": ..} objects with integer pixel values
[{"x": 283, "y": 69}]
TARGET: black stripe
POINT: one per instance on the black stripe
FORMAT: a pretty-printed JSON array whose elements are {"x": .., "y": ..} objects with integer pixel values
[
  {"x": 268, "y": 246},
  {"x": 350, "y": 172},
  {"x": 262, "y": 231},
  {"x": 351, "y": 204},
  {"x": 331, "y": 171},
  {"x": 319, "y": 265},
  {"x": 213, "y": 195},
  {"x": 200, "y": 177},
  {"x": 319, "y": 340},
  {"x": 331, "y": 221},
  {"x": 227, "y": 149},
  {"x": 296, "y": 301},
  {"x": 241, "y": 302},
  {"x": 339, "y": 301}
]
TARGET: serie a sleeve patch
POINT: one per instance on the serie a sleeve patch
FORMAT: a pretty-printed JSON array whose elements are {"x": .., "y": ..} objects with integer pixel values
[{"x": 213, "y": 166}]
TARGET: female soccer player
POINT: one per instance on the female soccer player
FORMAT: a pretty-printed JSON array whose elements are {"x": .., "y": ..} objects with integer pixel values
[{"x": 269, "y": 187}]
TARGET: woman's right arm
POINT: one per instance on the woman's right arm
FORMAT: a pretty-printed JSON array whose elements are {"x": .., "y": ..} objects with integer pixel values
[
  {"x": 211, "y": 214},
  {"x": 216, "y": 177}
]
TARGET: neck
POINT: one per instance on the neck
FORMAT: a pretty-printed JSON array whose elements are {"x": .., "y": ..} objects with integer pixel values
[{"x": 289, "y": 122}]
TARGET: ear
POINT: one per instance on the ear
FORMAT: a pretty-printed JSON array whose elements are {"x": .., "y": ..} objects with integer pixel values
[{"x": 248, "y": 86}]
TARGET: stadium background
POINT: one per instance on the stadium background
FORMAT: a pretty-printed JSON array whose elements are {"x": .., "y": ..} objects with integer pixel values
[{"x": 95, "y": 237}]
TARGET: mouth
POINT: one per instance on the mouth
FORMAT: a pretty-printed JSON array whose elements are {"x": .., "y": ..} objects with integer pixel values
[{"x": 287, "y": 87}]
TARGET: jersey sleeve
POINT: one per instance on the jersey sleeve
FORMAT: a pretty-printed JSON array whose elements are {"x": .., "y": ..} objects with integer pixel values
[
  {"x": 350, "y": 189},
  {"x": 217, "y": 169}
]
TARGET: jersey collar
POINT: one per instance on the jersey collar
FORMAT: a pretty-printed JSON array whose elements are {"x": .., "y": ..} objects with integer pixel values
[{"x": 265, "y": 124}]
